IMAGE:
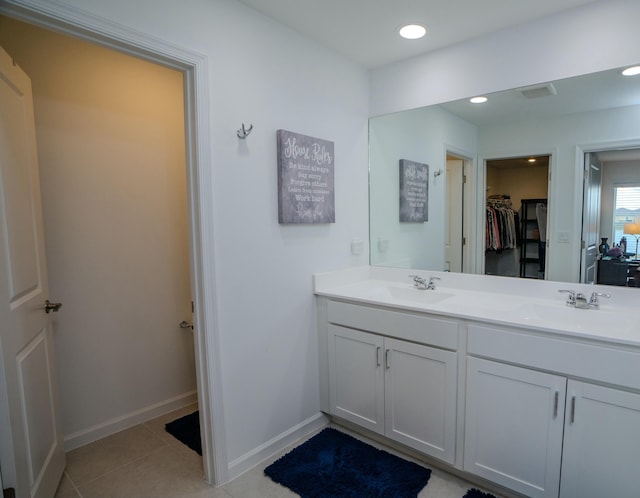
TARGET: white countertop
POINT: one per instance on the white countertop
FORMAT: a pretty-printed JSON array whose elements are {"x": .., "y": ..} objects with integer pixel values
[{"x": 531, "y": 304}]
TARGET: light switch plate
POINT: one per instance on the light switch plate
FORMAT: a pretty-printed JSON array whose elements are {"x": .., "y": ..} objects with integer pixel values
[{"x": 356, "y": 247}]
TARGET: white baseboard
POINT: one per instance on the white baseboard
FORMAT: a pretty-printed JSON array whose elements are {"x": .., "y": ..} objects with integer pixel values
[
  {"x": 86, "y": 436},
  {"x": 280, "y": 442}
]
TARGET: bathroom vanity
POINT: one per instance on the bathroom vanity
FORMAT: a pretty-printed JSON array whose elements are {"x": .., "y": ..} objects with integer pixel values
[{"x": 495, "y": 377}]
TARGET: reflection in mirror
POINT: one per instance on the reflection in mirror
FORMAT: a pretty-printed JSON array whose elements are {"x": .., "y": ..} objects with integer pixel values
[
  {"x": 516, "y": 216},
  {"x": 596, "y": 114}
]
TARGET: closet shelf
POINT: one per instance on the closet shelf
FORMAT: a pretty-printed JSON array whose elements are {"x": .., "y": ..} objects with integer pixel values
[{"x": 530, "y": 267}]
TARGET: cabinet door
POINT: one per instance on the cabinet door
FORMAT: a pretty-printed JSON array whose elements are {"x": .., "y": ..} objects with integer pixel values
[
  {"x": 420, "y": 397},
  {"x": 356, "y": 377},
  {"x": 601, "y": 443},
  {"x": 513, "y": 427}
]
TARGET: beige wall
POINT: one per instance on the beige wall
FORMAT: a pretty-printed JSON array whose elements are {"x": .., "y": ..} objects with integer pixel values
[
  {"x": 520, "y": 183},
  {"x": 110, "y": 133}
]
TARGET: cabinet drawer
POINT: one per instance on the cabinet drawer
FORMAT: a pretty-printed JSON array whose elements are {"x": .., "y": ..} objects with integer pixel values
[
  {"x": 436, "y": 332},
  {"x": 600, "y": 363}
]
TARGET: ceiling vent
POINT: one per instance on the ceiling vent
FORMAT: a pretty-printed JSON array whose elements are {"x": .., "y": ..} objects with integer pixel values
[{"x": 538, "y": 91}]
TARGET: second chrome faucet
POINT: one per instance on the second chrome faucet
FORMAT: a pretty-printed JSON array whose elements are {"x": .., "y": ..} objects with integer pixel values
[
  {"x": 420, "y": 283},
  {"x": 579, "y": 300}
]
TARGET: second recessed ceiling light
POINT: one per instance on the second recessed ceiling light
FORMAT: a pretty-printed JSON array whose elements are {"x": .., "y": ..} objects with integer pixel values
[{"x": 412, "y": 31}]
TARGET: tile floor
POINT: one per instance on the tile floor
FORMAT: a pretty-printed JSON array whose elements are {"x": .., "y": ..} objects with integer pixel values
[{"x": 147, "y": 462}]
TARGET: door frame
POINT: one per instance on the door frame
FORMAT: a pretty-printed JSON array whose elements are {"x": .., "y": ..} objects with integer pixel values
[
  {"x": 194, "y": 67},
  {"x": 481, "y": 200},
  {"x": 581, "y": 151},
  {"x": 468, "y": 225}
]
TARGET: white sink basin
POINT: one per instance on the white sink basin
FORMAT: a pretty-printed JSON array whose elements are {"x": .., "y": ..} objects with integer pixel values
[
  {"x": 592, "y": 320},
  {"x": 417, "y": 295},
  {"x": 397, "y": 294}
]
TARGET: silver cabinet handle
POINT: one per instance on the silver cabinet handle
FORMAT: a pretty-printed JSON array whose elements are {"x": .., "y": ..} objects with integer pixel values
[
  {"x": 573, "y": 409},
  {"x": 386, "y": 358},
  {"x": 555, "y": 404},
  {"x": 378, "y": 349}
]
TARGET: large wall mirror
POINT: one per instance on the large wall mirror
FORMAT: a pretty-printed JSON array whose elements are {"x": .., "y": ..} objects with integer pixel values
[{"x": 559, "y": 155}]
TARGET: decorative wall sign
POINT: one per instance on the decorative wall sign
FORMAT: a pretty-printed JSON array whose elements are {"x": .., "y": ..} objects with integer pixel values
[
  {"x": 305, "y": 179},
  {"x": 414, "y": 191}
]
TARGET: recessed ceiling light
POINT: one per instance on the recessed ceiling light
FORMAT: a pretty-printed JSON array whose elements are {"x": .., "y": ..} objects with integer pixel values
[
  {"x": 532, "y": 159},
  {"x": 412, "y": 31},
  {"x": 478, "y": 100},
  {"x": 631, "y": 71}
]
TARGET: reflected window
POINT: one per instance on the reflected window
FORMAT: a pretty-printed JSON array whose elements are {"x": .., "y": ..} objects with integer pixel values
[{"x": 627, "y": 210}]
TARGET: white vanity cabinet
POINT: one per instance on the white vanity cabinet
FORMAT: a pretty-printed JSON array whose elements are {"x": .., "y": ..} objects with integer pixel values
[
  {"x": 512, "y": 387},
  {"x": 356, "y": 377},
  {"x": 395, "y": 387},
  {"x": 514, "y": 420},
  {"x": 601, "y": 454},
  {"x": 548, "y": 435}
]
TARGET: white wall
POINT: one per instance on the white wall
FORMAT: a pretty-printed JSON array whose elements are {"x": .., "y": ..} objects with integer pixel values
[
  {"x": 594, "y": 37},
  {"x": 264, "y": 74},
  {"x": 422, "y": 135}
]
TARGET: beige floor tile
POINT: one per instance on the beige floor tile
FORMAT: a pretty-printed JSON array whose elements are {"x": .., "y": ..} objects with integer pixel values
[
  {"x": 66, "y": 489},
  {"x": 147, "y": 462},
  {"x": 163, "y": 473},
  {"x": 93, "y": 460},
  {"x": 254, "y": 484}
]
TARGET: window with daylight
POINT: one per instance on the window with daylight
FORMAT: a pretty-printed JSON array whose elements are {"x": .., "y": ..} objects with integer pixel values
[{"x": 627, "y": 210}]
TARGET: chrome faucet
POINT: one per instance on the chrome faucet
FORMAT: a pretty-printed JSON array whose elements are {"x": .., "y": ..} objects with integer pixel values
[
  {"x": 579, "y": 300},
  {"x": 419, "y": 282},
  {"x": 594, "y": 302},
  {"x": 432, "y": 283}
]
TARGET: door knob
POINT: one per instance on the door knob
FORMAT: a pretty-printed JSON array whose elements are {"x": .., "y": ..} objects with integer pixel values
[
  {"x": 49, "y": 306},
  {"x": 186, "y": 325}
]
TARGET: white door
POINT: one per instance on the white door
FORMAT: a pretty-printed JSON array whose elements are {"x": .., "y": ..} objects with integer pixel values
[
  {"x": 31, "y": 446},
  {"x": 601, "y": 455},
  {"x": 420, "y": 397},
  {"x": 513, "y": 427},
  {"x": 590, "y": 219},
  {"x": 455, "y": 209},
  {"x": 356, "y": 377}
]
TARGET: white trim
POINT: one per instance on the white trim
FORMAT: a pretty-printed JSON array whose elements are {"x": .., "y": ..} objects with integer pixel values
[
  {"x": 77, "y": 23},
  {"x": 469, "y": 225},
  {"x": 118, "y": 424},
  {"x": 296, "y": 433}
]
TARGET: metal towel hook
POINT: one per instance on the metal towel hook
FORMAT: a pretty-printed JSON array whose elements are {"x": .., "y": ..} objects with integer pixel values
[{"x": 244, "y": 132}]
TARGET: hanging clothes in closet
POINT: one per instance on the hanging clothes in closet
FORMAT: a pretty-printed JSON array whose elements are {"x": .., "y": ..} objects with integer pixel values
[{"x": 502, "y": 224}]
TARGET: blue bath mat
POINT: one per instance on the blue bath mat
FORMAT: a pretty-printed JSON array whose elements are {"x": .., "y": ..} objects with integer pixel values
[
  {"x": 333, "y": 464},
  {"x": 476, "y": 493},
  {"x": 187, "y": 430}
]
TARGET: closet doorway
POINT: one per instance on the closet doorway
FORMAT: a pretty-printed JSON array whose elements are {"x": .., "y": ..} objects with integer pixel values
[{"x": 516, "y": 216}]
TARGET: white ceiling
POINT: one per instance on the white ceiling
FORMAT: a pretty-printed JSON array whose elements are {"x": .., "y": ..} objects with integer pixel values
[
  {"x": 589, "y": 92},
  {"x": 365, "y": 31}
]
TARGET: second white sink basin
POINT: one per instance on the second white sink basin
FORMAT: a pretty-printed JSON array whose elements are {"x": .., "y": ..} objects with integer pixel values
[{"x": 575, "y": 318}]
